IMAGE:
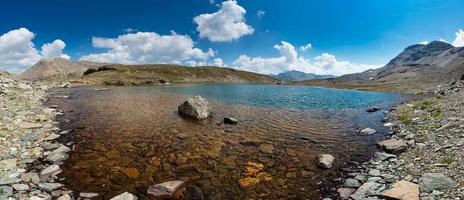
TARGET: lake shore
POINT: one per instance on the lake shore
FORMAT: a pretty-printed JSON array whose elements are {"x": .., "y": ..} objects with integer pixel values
[{"x": 423, "y": 157}]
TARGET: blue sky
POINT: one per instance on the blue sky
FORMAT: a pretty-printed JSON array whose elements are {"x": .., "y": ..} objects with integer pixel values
[{"x": 256, "y": 35}]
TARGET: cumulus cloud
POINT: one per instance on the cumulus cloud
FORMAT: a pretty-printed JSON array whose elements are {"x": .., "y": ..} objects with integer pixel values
[
  {"x": 260, "y": 13},
  {"x": 216, "y": 62},
  {"x": 227, "y": 24},
  {"x": 147, "y": 47},
  {"x": 18, "y": 52},
  {"x": 289, "y": 60},
  {"x": 54, "y": 49},
  {"x": 425, "y": 42},
  {"x": 306, "y": 47},
  {"x": 459, "y": 41}
]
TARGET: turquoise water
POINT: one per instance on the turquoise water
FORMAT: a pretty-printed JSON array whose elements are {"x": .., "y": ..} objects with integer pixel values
[{"x": 290, "y": 97}]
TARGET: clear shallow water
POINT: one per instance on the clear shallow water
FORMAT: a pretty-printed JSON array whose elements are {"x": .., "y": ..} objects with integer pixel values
[{"x": 128, "y": 138}]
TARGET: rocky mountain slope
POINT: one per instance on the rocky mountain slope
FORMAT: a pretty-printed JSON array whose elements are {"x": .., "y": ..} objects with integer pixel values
[
  {"x": 417, "y": 68},
  {"x": 300, "y": 76},
  {"x": 117, "y": 74},
  {"x": 57, "y": 68}
]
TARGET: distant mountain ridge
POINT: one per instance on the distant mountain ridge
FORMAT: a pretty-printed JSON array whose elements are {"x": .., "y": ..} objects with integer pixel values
[
  {"x": 57, "y": 68},
  {"x": 300, "y": 76},
  {"x": 418, "y": 67}
]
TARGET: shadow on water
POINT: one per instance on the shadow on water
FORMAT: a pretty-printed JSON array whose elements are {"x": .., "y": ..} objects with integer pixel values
[{"x": 128, "y": 138}]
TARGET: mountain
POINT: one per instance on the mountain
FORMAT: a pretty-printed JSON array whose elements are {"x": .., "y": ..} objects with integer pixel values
[
  {"x": 57, "y": 68},
  {"x": 417, "y": 68},
  {"x": 300, "y": 76},
  {"x": 153, "y": 74}
]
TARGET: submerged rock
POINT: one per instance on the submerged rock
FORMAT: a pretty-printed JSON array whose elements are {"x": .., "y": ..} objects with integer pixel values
[
  {"x": 196, "y": 108},
  {"x": 435, "y": 181},
  {"x": 373, "y": 109},
  {"x": 230, "y": 120},
  {"x": 367, "y": 131},
  {"x": 345, "y": 193},
  {"x": 325, "y": 161},
  {"x": 166, "y": 190},
  {"x": 403, "y": 190},
  {"x": 248, "y": 182},
  {"x": 125, "y": 196},
  {"x": 394, "y": 146}
]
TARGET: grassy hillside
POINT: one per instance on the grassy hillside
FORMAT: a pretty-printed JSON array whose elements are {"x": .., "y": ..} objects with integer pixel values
[{"x": 158, "y": 74}]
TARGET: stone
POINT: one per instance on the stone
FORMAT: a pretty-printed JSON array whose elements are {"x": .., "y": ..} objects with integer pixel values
[
  {"x": 64, "y": 197},
  {"x": 389, "y": 124},
  {"x": 9, "y": 178},
  {"x": 373, "y": 109},
  {"x": 125, "y": 196},
  {"x": 381, "y": 156},
  {"x": 345, "y": 193},
  {"x": 197, "y": 108},
  {"x": 366, "y": 189},
  {"x": 230, "y": 120},
  {"x": 20, "y": 187},
  {"x": 374, "y": 172},
  {"x": 29, "y": 125},
  {"x": 394, "y": 146},
  {"x": 252, "y": 168},
  {"x": 351, "y": 183},
  {"x": 88, "y": 194},
  {"x": 56, "y": 157},
  {"x": 5, "y": 192},
  {"x": 30, "y": 177},
  {"x": 367, "y": 131},
  {"x": 325, "y": 161},
  {"x": 166, "y": 189},
  {"x": 263, "y": 176},
  {"x": 8, "y": 164},
  {"x": 266, "y": 148},
  {"x": 131, "y": 172},
  {"x": 402, "y": 190},
  {"x": 49, "y": 187},
  {"x": 51, "y": 170},
  {"x": 435, "y": 181},
  {"x": 248, "y": 182}
]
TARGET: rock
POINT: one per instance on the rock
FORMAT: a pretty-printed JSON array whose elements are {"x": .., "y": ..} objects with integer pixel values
[
  {"x": 196, "y": 108},
  {"x": 64, "y": 197},
  {"x": 374, "y": 172},
  {"x": 345, "y": 193},
  {"x": 56, "y": 157},
  {"x": 51, "y": 170},
  {"x": 381, "y": 156},
  {"x": 367, "y": 189},
  {"x": 9, "y": 178},
  {"x": 266, "y": 148},
  {"x": 389, "y": 124},
  {"x": 373, "y": 109},
  {"x": 65, "y": 85},
  {"x": 8, "y": 164},
  {"x": 5, "y": 192},
  {"x": 131, "y": 172},
  {"x": 367, "y": 131},
  {"x": 230, "y": 120},
  {"x": 263, "y": 176},
  {"x": 394, "y": 146},
  {"x": 49, "y": 187},
  {"x": 352, "y": 183},
  {"x": 88, "y": 194},
  {"x": 166, "y": 189},
  {"x": 435, "y": 181},
  {"x": 402, "y": 190},
  {"x": 325, "y": 161},
  {"x": 29, "y": 125},
  {"x": 20, "y": 187},
  {"x": 125, "y": 196},
  {"x": 248, "y": 182},
  {"x": 252, "y": 168}
]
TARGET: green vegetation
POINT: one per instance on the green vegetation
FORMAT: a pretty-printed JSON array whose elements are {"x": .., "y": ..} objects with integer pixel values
[{"x": 448, "y": 160}]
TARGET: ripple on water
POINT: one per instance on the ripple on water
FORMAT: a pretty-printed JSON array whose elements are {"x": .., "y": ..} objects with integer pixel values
[{"x": 127, "y": 139}]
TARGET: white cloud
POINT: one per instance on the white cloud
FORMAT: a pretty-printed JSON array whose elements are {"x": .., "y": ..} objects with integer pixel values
[
  {"x": 216, "y": 62},
  {"x": 227, "y": 24},
  {"x": 459, "y": 41},
  {"x": 212, "y": 2},
  {"x": 260, "y": 13},
  {"x": 289, "y": 60},
  {"x": 443, "y": 40},
  {"x": 54, "y": 49},
  {"x": 147, "y": 47},
  {"x": 18, "y": 52},
  {"x": 130, "y": 30},
  {"x": 425, "y": 42},
  {"x": 306, "y": 47}
]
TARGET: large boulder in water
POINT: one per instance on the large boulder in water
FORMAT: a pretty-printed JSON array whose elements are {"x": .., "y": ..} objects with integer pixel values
[{"x": 196, "y": 108}]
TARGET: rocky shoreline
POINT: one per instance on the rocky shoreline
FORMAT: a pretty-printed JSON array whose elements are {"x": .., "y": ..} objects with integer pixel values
[{"x": 422, "y": 158}]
